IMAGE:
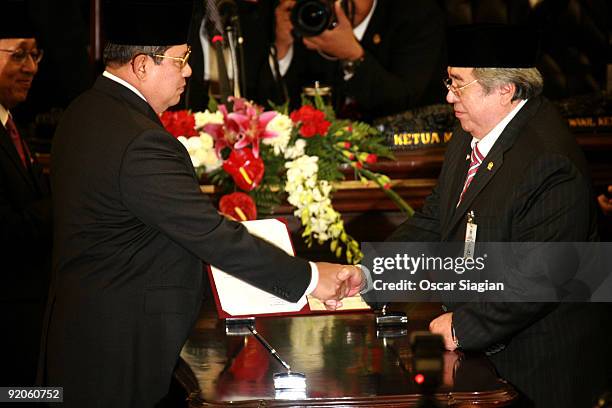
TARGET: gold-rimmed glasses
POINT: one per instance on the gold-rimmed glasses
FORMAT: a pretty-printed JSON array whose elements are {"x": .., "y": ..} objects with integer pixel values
[
  {"x": 20, "y": 55},
  {"x": 183, "y": 60},
  {"x": 456, "y": 90}
]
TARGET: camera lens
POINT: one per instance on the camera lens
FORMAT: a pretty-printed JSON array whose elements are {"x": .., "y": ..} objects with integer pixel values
[{"x": 310, "y": 17}]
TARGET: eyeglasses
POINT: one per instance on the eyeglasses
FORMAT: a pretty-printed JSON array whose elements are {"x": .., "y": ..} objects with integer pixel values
[
  {"x": 456, "y": 90},
  {"x": 20, "y": 55},
  {"x": 183, "y": 60}
]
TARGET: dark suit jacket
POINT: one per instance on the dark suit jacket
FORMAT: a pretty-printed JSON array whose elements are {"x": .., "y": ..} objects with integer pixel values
[
  {"x": 537, "y": 190},
  {"x": 25, "y": 248},
  {"x": 132, "y": 230},
  {"x": 25, "y": 225},
  {"x": 403, "y": 66}
]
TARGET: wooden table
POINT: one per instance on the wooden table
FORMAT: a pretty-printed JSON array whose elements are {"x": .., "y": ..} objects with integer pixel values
[{"x": 346, "y": 364}]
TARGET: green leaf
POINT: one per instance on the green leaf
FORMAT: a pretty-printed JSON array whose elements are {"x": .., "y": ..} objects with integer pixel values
[{"x": 213, "y": 104}]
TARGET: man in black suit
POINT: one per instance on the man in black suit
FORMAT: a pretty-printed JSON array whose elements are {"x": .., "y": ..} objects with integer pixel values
[
  {"x": 133, "y": 228},
  {"x": 383, "y": 58},
  {"x": 25, "y": 207},
  {"x": 514, "y": 165}
]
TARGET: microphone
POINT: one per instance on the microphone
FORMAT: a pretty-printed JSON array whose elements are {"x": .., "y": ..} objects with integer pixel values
[{"x": 228, "y": 10}]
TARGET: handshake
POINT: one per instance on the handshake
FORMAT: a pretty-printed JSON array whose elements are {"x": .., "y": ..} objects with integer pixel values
[{"x": 337, "y": 282}]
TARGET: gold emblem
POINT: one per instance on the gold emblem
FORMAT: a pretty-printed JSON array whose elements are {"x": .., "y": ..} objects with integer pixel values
[
  {"x": 376, "y": 39},
  {"x": 490, "y": 166}
]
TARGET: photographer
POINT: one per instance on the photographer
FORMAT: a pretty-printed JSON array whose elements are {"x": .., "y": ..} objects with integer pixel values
[{"x": 381, "y": 57}]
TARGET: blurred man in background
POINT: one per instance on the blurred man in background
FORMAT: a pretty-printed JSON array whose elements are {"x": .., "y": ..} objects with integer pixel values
[
  {"x": 382, "y": 57},
  {"x": 25, "y": 206}
]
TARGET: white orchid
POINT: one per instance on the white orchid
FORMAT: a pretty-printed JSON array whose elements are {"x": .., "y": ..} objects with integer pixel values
[
  {"x": 282, "y": 125},
  {"x": 201, "y": 151},
  {"x": 207, "y": 117}
]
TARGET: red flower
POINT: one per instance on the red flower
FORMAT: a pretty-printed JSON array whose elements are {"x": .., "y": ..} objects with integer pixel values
[
  {"x": 371, "y": 158},
  {"x": 239, "y": 206},
  {"x": 179, "y": 123},
  {"x": 312, "y": 120},
  {"x": 246, "y": 169}
]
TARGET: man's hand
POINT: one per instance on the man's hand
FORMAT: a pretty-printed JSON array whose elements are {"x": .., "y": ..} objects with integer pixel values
[
  {"x": 606, "y": 202},
  {"x": 337, "y": 282},
  {"x": 442, "y": 325},
  {"x": 283, "y": 28},
  {"x": 339, "y": 42}
]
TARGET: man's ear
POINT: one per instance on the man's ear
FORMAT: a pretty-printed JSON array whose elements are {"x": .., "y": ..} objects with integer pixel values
[
  {"x": 140, "y": 66},
  {"x": 507, "y": 92}
]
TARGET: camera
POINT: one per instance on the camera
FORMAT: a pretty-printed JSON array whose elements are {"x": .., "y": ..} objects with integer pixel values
[{"x": 312, "y": 17}]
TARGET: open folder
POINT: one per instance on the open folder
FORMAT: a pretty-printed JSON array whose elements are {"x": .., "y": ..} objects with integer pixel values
[{"x": 236, "y": 298}]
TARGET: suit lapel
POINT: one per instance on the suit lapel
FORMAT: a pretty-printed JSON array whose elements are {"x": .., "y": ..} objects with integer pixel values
[
  {"x": 7, "y": 144},
  {"x": 459, "y": 165},
  {"x": 490, "y": 165}
]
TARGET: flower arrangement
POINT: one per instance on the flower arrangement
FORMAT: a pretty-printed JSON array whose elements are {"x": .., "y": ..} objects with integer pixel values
[{"x": 254, "y": 156}]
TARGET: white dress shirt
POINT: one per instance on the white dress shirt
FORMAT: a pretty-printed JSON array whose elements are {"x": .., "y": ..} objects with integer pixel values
[
  {"x": 124, "y": 83},
  {"x": 4, "y": 115},
  {"x": 486, "y": 143}
]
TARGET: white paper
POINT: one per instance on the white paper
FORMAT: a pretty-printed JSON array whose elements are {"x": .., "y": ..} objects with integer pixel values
[{"x": 239, "y": 298}]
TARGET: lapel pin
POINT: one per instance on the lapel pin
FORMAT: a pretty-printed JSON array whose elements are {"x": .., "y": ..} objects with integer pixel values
[
  {"x": 490, "y": 166},
  {"x": 467, "y": 157},
  {"x": 376, "y": 39}
]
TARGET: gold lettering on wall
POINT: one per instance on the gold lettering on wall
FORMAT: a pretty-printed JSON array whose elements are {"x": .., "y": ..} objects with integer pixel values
[
  {"x": 581, "y": 122},
  {"x": 604, "y": 121},
  {"x": 420, "y": 139}
]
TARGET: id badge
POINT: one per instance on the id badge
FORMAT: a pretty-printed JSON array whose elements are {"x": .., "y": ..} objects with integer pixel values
[{"x": 470, "y": 236}]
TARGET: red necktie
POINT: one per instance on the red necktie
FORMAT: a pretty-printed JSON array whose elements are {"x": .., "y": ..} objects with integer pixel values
[
  {"x": 476, "y": 159},
  {"x": 14, "y": 134}
]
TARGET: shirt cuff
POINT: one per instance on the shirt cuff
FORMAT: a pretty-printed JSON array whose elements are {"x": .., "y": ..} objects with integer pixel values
[
  {"x": 367, "y": 283},
  {"x": 314, "y": 280}
]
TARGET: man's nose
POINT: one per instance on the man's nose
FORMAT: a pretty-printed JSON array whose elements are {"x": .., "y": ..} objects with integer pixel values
[
  {"x": 451, "y": 97},
  {"x": 187, "y": 70},
  {"x": 29, "y": 65}
]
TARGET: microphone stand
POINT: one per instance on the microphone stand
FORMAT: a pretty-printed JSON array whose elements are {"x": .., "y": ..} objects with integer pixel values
[
  {"x": 242, "y": 64},
  {"x": 232, "y": 42},
  {"x": 224, "y": 83}
]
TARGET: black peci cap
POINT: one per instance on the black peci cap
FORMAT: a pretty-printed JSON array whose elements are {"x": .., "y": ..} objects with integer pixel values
[
  {"x": 14, "y": 21},
  {"x": 493, "y": 46},
  {"x": 150, "y": 23}
]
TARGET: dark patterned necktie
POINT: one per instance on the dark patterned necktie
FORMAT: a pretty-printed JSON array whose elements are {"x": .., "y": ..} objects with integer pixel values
[
  {"x": 476, "y": 159},
  {"x": 14, "y": 134}
]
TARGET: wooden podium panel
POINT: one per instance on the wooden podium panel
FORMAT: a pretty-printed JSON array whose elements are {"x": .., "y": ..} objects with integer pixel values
[{"x": 345, "y": 362}]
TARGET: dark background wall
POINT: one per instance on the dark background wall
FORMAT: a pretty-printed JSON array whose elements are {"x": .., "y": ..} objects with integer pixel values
[{"x": 576, "y": 49}]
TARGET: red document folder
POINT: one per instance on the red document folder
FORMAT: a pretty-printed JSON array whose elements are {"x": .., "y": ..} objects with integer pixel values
[{"x": 276, "y": 234}]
